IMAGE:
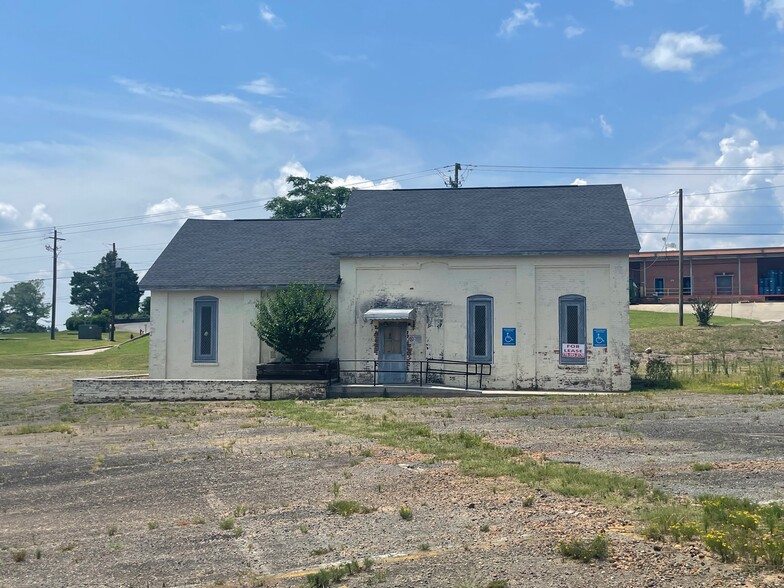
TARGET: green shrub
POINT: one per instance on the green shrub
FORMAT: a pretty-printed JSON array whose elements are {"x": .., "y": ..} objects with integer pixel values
[
  {"x": 703, "y": 310},
  {"x": 597, "y": 548},
  {"x": 658, "y": 373},
  {"x": 348, "y": 507},
  {"x": 405, "y": 513}
]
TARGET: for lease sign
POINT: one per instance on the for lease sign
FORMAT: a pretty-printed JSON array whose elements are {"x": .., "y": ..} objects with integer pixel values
[{"x": 576, "y": 350}]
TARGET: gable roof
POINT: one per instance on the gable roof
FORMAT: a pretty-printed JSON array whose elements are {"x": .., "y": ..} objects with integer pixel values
[
  {"x": 246, "y": 254},
  {"x": 546, "y": 220}
]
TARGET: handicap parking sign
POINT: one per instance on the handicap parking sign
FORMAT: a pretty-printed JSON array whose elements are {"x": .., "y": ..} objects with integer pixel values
[
  {"x": 509, "y": 336},
  {"x": 600, "y": 337}
]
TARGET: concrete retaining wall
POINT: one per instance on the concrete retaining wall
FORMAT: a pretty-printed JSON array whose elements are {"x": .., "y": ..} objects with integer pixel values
[{"x": 130, "y": 390}]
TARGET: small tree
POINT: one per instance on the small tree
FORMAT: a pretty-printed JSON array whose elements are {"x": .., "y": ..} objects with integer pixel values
[
  {"x": 310, "y": 199},
  {"x": 703, "y": 309},
  {"x": 295, "y": 321},
  {"x": 22, "y": 306},
  {"x": 92, "y": 290}
]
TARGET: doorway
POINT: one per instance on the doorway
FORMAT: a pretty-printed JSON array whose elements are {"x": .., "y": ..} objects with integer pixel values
[{"x": 392, "y": 353}]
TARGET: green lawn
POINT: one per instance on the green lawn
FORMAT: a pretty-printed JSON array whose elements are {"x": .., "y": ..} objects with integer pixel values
[
  {"x": 648, "y": 319},
  {"x": 32, "y": 351}
]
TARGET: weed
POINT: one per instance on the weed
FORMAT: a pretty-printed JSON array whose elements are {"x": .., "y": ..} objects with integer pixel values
[
  {"x": 153, "y": 524},
  {"x": 703, "y": 310},
  {"x": 38, "y": 553},
  {"x": 702, "y": 467},
  {"x": 227, "y": 523},
  {"x": 198, "y": 521},
  {"x": 33, "y": 429},
  {"x": 115, "y": 546},
  {"x": 677, "y": 519},
  {"x": 19, "y": 556},
  {"x": 424, "y": 547},
  {"x": 484, "y": 528},
  {"x": 240, "y": 510},
  {"x": 348, "y": 507},
  {"x": 237, "y": 531},
  {"x": 405, "y": 513},
  {"x": 354, "y": 462},
  {"x": 529, "y": 500},
  {"x": 597, "y": 548},
  {"x": 322, "y": 550},
  {"x": 347, "y": 475},
  {"x": 332, "y": 575},
  {"x": 335, "y": 489},
  {"x": 98, "y": 463},
  {"x": 68, "y": 547},
  {"x": 111, "y": 531},
  {"x": 303, "y": 528},
  {"x": 498, "y": 584},
  {"x": 366, "y": 452}
]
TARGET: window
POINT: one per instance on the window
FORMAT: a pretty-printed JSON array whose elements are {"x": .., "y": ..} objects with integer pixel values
[
  {"x": 658, "y": 286},
  {"x": 686, "y": 285},
  {"x": 205, "y": 331},
  {"x": 480, "y": 329},
  {"x": 571, "y": 318},
  {"x": 724, "y": 285}
]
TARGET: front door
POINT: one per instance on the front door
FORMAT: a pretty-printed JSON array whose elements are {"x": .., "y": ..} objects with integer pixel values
[{"x": 391, "y": 353}]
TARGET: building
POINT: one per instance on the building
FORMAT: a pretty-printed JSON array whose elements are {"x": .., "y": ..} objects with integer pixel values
[
  {"x": 726, "y": 275},
  {"x": 529, "y": 285}
]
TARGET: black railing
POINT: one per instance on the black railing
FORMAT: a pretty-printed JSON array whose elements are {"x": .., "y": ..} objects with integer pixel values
[
  {"x": 309, "y": 370},
  {"x": 421, "y": 372}
]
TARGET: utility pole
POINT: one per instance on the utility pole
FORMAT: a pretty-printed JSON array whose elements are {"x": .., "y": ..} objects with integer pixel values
[
  {"x": 455, "y": 183},
  {"x": 55, "y": 250},
  {"x": 680, "y": 257},
  {"x": 114, "y": 290}
]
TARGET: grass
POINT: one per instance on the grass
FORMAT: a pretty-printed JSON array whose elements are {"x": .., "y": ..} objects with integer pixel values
[
  {"x": 35, "y": 429},
  {"x": 405, "y": 513},
  {"x": 702, "y": 467},
  {"x": 475, "y": 456},
  {"x": 332, "y": 575},
  {"x": 348, "y": 507},
  {"x": 30, "y": 351},
  {"x": 586, "y": 551},
  {"x": 648, "y": 319},
  {"x": 227, "y": 524}
]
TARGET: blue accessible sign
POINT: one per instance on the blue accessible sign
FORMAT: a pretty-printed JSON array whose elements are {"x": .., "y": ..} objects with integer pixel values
[
  {"x": 600, "y": 337},
  {"x": 509, "y": 336}
]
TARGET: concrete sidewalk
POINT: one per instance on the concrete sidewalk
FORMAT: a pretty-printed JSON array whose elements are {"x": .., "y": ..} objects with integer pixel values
[{"x": 761, "y": 311}]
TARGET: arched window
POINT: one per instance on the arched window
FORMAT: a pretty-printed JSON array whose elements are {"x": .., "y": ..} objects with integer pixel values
[
  {"x": 571, "y": 318},
  {"x": 205, "y": 329},
  {"x": 480, "y": 329}
]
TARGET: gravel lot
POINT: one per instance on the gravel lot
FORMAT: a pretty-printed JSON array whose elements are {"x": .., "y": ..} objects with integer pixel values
[{"x": 134, "y": 496}]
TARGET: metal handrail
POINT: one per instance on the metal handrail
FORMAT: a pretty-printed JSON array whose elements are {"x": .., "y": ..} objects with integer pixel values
[{"x": 424, "y": 369}]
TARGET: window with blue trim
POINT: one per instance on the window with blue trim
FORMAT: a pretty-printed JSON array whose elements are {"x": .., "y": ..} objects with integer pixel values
[
  {"x": 480, "y": 329},
  {"x": 571, "y": 318},
  {"x": 205, "y": 329}
]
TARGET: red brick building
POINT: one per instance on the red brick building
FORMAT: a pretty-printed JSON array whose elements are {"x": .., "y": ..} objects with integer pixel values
[{"x": 727, "y": 275}]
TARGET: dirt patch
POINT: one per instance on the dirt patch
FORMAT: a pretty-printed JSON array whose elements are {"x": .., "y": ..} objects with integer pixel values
[{"x": 135, "y": 496}]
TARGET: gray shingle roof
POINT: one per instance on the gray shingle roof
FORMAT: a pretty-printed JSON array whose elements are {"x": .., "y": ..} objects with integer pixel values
[
  {"x": 547, "y": 220},
  {"x": 246, "y": 254}
]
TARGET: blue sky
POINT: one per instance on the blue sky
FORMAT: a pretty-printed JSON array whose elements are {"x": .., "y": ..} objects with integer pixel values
[{"x": 144, "y": 113}]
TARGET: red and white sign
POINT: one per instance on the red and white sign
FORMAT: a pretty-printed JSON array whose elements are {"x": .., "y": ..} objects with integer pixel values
[{"x": 575, "y": 350}]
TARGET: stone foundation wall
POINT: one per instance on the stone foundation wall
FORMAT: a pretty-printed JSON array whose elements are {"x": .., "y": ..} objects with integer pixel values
[{"x": 134, "y": 390}]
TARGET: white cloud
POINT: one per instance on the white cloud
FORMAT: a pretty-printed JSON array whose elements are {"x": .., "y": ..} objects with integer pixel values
[
  {"x": 39, "y": 218},
  {"x": 622, "y": 3},
  {"x": 169, "y": 210},
  {"x": 266, "y": 189},
  {"x": 144, "y": 89},
  {"x": 8, "y": 214},
  {"x": 531, "y": 91},
  {"x": 263, "y": 86},
  {"x": 676, "y": 51},
  {"x": 361, "y": 183},
  {"x": 345, "y": 58},
  {"x": 770, "y": 8},
  {"x": 232, "y": 27},
  {"x": 269, "y": 17},
  {"x": 275, "y": 124},
  {"x": 607, "y": 129},
  {"x": 520, "y": 17},
  {"x": 579, "y": 182},
  {"x": 573, "y": 31}
]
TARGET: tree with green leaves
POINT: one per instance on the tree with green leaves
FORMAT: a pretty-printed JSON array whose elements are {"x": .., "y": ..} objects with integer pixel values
[
  {"x": 295, "y": 321},
  {"x": 310, "y": 199},
  {"x": 22, "y": 306},
  {"x": 92, "y": 290}
]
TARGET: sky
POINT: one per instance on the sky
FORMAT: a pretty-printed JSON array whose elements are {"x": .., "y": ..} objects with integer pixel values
[{"x": 118, "y": 120}]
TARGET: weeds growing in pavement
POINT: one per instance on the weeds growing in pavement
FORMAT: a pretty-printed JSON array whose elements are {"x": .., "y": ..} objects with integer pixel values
[
  {"x": 348, "y": 507},
  {"x": 585, "y": 551}
]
